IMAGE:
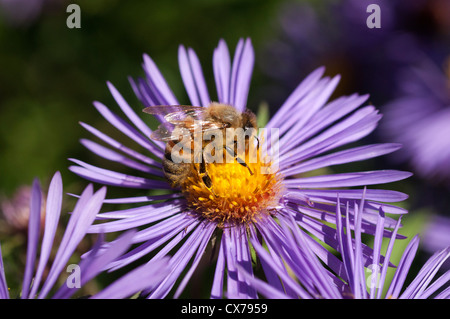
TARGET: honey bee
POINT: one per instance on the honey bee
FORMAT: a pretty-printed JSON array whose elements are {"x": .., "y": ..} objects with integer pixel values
[{"x": 180, "y": 123}]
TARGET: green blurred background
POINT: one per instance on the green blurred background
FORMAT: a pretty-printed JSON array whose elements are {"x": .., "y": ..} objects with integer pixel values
[{"x": 50, "y": 74}]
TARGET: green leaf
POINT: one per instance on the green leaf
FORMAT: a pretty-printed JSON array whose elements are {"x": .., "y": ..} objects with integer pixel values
[{"x": 263, "y": 114}]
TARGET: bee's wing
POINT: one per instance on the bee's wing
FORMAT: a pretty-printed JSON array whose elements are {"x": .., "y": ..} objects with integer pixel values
[
  {"x": 169, "y": 132},
  {"x": 180, "y": 121},
  {"x": 175, "y": 117},
  {"x": 176, "y": 114},
  {"x": 166, "y": 133}
]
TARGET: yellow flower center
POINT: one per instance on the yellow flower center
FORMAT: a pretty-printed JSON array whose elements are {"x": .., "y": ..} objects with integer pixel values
[{"x": 238, "y": 194}]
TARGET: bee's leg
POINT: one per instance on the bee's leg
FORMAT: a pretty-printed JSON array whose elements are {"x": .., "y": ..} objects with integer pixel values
[
  {"x": 238, "y": 159},
  {"x": 257, "y": 140},
  {"x": 204, "y": 175}
]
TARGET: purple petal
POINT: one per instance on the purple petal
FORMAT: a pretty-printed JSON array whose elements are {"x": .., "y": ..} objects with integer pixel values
[
  {"x": 4, "y": 293},
  {"x": 232, "y": 291},
  {"x": 144, "y": 277},
  {"x": 350, "y": 250},
  {"x": 271, "y": 276},
  {"x": 240, "y": 240},
  {"x": 241, "y": 75},
  {"x": 349, "y": 179},
  {"x": 246, "y": 262},
  {"x": 330, "y": 113},
  {"x": 353, "y": 128},
  {"x": 186, "y": 75},
  {"x": 158, "y": 230},
  {"x": 217, "y": 287},
  {"x": 156, "y": 151},
  {"x": 439, "y": 283},
  {"x": 137, "y": 91},
  {"x": 264, "y": 288},
  {"x": 376, "y": 253},
  {"x": 52, "y": 214},
  {"x": 347, "y": 156},
  {"x": 124, "y": 127},
  {"x": 302, "y": 89},
  {"x": 147, "y": 93},
  {"x": 403, "y": 268},
  {"x": 324, "y": 209},
  {"x": 426, "y": 274},
  {"x": 142, "y": 199},
  {"x": 119, "y": 158},
  {"x": 108, "y": 177},
  {"x": 153, "y": 243},
  {"x": 277, "y": 258},
  {"x": 135, "y": 221},
  {"x": 307, "y": 109},
  {"x": 197, "y": 240},
  {"x": 303, "y": 253},
  {"x": 235, "y": 69},
  {"x": 327, "y": 235},
  {"x": 141, "y": 211},
  {"x": 192, "y": 75},
  {"x": 157, "y": 83},
  {"x": 132, "y": 116},
  {"x": 222, "y": 70},
  {"x": 82, "y": 217},
  {"x": 312, "y": 205},
  {"x": 301, "y": 109},
  {"x": 445, "y": 294},
  {"x": 193, "y": 223},
  {"x": 360, "y": 290},
  {"x": 344, "y": 245},
  {"x": 97, "y": 261},
  {"x": 262, "y": 253},
  {"x": 278, "y": 246},
  {"x": 200, "y": 251},
  {"x": 371, "y": 194},
  {"x": 387, "y": 258},
  {"x": 33, "y": 236},
  {"x": 199, "y": 78}
]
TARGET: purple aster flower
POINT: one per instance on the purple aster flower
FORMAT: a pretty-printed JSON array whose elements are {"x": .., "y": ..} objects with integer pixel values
[
  {"x": 35, "y": 286},
  {"x": 313, "y": 280},
  {"x": 419, "y": 120},
  {"x": 436, "y": 235},
  {"x": 16, "y": 210},
  {"x": 20, "y": 12},
  {"x": 243, "y": 206}
]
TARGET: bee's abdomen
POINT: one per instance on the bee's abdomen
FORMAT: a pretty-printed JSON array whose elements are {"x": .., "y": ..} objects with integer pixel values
[{"x": 176, "y": 165}]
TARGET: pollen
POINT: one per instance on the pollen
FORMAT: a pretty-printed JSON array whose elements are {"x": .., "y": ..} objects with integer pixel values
[{"x": 238, "y": 194}]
